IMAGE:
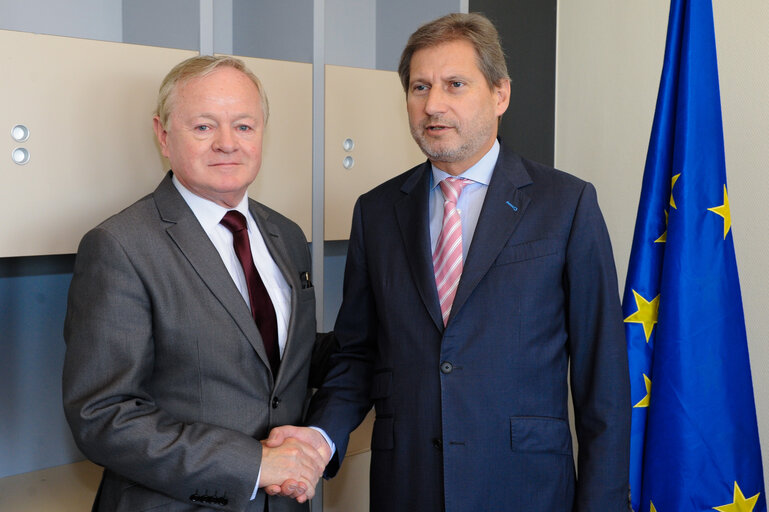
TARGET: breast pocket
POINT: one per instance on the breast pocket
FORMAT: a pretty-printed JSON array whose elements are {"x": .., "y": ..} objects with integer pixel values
[
  {"x": 305, "y": 294},
  {"x": 527, "y": 251}
]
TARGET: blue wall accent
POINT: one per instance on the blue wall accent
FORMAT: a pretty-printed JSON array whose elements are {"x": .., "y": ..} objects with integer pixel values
[
  {"x": 33, "y": 432},
  {"x": 333, "y": 270}
]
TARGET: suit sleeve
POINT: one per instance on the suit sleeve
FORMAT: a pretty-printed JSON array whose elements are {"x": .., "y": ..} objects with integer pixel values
[
  {"x": 599, "y": 368},
  {"x": 107, "y": 399},
  {"x": 343, "y": 400}
]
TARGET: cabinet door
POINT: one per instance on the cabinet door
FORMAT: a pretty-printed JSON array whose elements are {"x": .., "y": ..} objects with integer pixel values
[
  {"x": 369, "y": 108},
  {"x": 284, "y": 182},
  {"x": 88, "y": 107}
]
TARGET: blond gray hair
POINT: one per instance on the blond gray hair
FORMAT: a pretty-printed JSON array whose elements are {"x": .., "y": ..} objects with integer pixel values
[{"x": 196, "y": 67}]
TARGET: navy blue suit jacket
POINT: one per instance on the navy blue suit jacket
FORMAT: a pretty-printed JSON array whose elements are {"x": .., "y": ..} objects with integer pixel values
[{"x": 474, "y": 416}]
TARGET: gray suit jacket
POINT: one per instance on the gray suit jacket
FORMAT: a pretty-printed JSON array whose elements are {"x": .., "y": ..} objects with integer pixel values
[{"x": 166, "y": 381}]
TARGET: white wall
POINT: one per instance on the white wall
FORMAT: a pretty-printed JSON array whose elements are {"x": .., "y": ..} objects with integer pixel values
[{"x": 609, "y": 61}]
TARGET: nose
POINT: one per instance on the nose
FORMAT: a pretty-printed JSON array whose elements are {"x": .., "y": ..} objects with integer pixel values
[
  {"x": 435, "y": 103},
  {"x": 224, "y": 140}
]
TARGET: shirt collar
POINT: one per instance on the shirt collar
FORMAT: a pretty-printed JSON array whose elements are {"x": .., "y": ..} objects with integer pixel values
[
  {"x": 480, "y": 172},
  {"x": 208, "y": 213}
]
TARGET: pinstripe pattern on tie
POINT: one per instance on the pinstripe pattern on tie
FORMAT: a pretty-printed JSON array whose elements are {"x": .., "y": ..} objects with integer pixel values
[{"x": 447, "y": 258}]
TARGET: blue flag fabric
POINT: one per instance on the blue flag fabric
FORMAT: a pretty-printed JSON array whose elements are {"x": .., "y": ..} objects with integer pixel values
[{"x": 694, "y": 442}]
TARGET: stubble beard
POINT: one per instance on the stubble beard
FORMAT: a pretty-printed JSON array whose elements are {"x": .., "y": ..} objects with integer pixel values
[{"x": 471, "y": 140}]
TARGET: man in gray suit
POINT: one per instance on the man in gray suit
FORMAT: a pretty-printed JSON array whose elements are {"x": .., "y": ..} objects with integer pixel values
[{"x": 175, "y": 366}]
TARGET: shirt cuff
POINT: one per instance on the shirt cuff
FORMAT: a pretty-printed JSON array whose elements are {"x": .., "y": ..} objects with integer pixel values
[
  {"x": 328, "y": 440},
  {"x": 256, "y": 487}
]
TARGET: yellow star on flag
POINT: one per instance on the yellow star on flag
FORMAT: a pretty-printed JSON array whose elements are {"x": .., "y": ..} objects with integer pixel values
[
  {"x": 740, "y": 504},
  {"x": 652, "y": 509},
  {"x": 673, "y": 184},
  {"x": 645, "y": 400},
  {"x": 724, "y": 212},
  {"x": 664, "y": 236},
  {"x": 646, "y": 313}
]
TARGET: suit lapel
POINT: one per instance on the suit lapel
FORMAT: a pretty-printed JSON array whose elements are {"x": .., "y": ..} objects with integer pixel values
[
  {"x": 189, "y": 236},
  {"x": 412, "y": 214},
  {"x": 277, "y": 249},
  {"x": 503, "y": 208}
]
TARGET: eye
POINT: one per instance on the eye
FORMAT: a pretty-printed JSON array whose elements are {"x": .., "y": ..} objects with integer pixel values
[
  {"x": 419, "y": 87},
  {"x": 244, "y": 128},
  {"x": 202, "y": 128},
  {"x": 456, "y": 84}
]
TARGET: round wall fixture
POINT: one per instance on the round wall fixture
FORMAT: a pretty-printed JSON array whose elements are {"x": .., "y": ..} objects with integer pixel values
[
  {"x": 20, "y": 156},
  {"x": 20, "y": 133}
]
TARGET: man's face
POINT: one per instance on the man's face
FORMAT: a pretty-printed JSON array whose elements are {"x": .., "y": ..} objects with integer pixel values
[
  {"x": 213, "y": 136},
  {"x": 452, "y": 111}
]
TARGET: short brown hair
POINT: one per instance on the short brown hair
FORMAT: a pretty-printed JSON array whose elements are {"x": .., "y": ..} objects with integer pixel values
[
  {"x": 474, "y": 28},
  {"x": 196, "y": 67}
]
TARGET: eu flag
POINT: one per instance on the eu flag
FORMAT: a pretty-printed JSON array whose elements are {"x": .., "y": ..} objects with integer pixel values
[{"x": 694, "y": 442}]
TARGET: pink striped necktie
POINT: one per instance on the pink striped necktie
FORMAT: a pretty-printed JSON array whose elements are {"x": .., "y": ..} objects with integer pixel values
[{"x": 447, "y": 258}]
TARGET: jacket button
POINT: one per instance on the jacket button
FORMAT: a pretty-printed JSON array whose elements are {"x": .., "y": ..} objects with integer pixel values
[
  {"x": 275, "y": 402},
  {"x": 437, "y": 443},
  {"x": 447, "y": 367}
]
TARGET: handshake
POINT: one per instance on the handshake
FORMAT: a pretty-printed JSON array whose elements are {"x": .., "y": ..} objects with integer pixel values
[{"x": 293, "y": 460}]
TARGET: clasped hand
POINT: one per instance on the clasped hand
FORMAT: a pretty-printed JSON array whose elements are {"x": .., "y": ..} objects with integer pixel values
[{"x": 293, "y": 460}]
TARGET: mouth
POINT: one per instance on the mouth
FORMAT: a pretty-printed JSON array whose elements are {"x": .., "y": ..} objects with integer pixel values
[{"x": 436, "y": 127}]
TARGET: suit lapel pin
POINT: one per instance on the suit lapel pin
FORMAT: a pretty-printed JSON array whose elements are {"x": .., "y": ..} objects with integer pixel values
[{"x": 511, "y": 205}]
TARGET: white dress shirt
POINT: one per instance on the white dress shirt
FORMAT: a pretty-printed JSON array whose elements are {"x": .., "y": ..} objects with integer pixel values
[
  {"x": 470, "y": 200},
  {"x": 209, "y": 214}
]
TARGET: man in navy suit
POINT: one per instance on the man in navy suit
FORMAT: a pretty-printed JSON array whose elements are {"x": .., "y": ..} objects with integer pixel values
[{"x": 470, "y": 375}]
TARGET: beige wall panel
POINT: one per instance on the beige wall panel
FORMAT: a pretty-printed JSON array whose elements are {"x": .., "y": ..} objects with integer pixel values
[
  {"x": 348, "y": 491},
  {"x": 369, "y": 107},
  {"x": 609, "y": 59},
  {"x": 68, "y": 488},
  {"x": 284, "y": 182},
  {"x": 609, "y": 62},
  {"x": 88, "y": 105}
]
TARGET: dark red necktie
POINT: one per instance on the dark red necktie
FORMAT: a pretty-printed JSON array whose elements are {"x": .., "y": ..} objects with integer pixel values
[{"x": 261, "y": 306}]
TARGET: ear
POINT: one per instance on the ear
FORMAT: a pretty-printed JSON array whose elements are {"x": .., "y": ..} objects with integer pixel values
[
  {"x": 502, "y": 93},
  {"x": 161, "y": 134}
]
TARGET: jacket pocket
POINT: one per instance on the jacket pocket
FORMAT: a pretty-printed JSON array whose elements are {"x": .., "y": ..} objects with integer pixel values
[
  {"x": 532, "y": 434},
  {"x": 305, "y": 294},
  {"x": 527, "y": 251}
]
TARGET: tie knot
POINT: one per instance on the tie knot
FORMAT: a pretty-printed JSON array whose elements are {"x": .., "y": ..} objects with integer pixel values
[
  {"x": 452, "y": 187},
  {"x": 234, "y": 221}
]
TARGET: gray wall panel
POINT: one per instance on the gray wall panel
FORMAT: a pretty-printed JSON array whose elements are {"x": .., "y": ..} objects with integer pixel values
[
  {"x": 396, "y": 20},
  {"x": 170, "y": 23},
  {"x": 528, "y": 32},
  {"x": 88, "y": 19},
  {"x": 273, "y": 30}
]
